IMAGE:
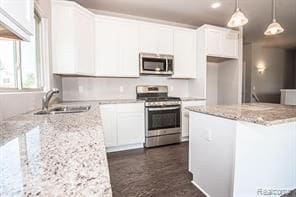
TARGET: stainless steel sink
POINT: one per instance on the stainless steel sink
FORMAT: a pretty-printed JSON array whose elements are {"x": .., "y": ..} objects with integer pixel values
[{"x": 64, "y": 110}]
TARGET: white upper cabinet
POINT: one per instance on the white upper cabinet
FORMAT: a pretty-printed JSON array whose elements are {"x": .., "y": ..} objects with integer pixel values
[
  {"x": 155, "y": 38},
  {"x": 17, "y": 16},
  {"x": 72, "y": 39},
  {"x": 106, "y": 47},
  {"x": 213, "y": 42},
  {"x": 116, "y": 47},
  {"x": 184, "y": 53},
  {"x": 230, "y": 43},
  {"x": 221, "y": 42},
  {"x": 84, "y": 39}
]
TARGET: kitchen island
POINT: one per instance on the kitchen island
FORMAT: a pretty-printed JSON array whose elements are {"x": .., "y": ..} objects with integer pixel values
[
  {"x": 54, "y": 155},
  {"x": 243, "y": 150}
]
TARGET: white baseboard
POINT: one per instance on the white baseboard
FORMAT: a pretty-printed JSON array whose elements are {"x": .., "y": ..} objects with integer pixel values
[
  {"x": 124, "y": 147},
  {"x": 200, "y": 189}
]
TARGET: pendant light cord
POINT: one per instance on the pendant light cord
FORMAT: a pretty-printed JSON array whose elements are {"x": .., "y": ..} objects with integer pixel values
[
  {"x": 237, "y": 5},
  {"x": 273, "y": 11}
]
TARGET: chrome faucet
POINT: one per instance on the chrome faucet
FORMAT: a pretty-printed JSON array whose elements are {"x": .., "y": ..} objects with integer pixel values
[{"x": 46, "y": 98}]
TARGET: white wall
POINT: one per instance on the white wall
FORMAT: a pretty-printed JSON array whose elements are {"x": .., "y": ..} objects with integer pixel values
[
  {"x": 212, "y": 83},
  {"x": 222, "y": 82},
  {"x": 228, "y": 82},
  {"x": 279, "y": 72},
  {"x": 109, "y": 88}
]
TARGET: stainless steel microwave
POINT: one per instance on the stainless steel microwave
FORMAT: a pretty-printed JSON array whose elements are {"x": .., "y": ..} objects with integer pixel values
[{"x": 156, "y": 64}]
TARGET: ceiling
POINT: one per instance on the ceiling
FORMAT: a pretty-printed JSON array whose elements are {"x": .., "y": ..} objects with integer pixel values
[{"x": 198, "y": 12}]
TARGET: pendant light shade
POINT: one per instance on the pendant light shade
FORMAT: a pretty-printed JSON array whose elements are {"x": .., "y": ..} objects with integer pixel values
[
  {"x": 238, "y": 18},
  {"x": 274, "y": 28}
]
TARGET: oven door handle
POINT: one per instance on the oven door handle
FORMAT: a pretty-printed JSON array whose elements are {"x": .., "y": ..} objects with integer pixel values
[{"x": 163, "y": 108}]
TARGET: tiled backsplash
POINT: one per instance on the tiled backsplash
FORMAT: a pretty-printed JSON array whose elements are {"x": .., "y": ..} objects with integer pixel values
[{"x": 83, "y": 88}]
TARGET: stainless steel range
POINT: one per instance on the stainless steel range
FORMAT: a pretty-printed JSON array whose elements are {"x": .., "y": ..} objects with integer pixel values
[{"x": 162, "y": 116}]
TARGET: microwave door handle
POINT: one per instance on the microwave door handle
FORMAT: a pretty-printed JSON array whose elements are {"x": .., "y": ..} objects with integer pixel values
[{"x": 163, "y": 108}]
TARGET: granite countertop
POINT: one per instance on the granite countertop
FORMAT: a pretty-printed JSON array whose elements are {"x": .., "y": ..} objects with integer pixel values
[
  {"x": 54, "y": 155},
  {"x": 192, "y": 99},
  {"x": 259, "y": 113},
  {"x": 119, "y": 101}
]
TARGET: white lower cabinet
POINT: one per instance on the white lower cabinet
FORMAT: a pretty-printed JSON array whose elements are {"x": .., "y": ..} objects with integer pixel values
[
  {"x": 108, "y": 116},
  {"x": 185, "y": 116},
  {"x": 123, "y": 126},
  {"x": 130, "y": 127}
]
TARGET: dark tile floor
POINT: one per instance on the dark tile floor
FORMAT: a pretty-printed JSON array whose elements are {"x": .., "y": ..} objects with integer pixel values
[
  {"x": 290, "y": 194},
  {"x": 160, "y": 172}
]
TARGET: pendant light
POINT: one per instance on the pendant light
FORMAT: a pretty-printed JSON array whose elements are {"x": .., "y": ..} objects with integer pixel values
[
  {"x": 274, "y": 27},
  {"x": 238, "y": 18}
]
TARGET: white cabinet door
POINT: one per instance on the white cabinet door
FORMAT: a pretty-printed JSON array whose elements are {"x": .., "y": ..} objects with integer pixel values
[
  {"x": 116, "y": 48},
  {"x": 230, "y": 44},
  {"x": 129, "y": 49},
  {"x": 130, "y": 127},
  {"x": 184, "y": 53},
  {"x": 109, "y": 116},
  {"x": 156, "y": 38},
  {"x": 21, "y": 11},
  {"x": 185, "y": 115},
  {"x": 165, "y": 40},
  {"x": 63, "y": 46},
  {"x": 148, "y": 38},
  {"x": 213, "y": 42},
  {"x": 221, "y": 42},
  {"x": 107, "y": 51},
  {"x": 123, "y": 124},
  {"x": 84, "y": 35},
  {"x": 72, "y": 39}
]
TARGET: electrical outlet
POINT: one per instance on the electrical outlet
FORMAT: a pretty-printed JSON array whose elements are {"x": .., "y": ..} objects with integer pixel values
[{"x": 121, "y": 89}]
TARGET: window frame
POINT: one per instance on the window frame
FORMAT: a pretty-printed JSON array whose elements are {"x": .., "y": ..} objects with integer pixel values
[{"x": 18, "y": 66}]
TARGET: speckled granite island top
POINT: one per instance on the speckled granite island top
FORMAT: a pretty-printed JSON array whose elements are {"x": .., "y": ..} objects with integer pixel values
[
  {"x": 259, "y": 113},
  {"x": 54, "y": 155}
]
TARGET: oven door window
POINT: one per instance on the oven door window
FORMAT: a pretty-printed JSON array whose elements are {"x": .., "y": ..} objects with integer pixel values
[
  {"x": 163, "y": 119},
  {"x": 154, "y": 64}
]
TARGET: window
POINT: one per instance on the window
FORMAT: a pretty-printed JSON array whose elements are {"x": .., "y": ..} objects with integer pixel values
[
  {"x": 20, "y": 65},
  {"x": 8, "y": 78}
]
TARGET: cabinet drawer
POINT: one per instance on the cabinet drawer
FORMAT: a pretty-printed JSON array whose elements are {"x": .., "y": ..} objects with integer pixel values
[
  {"x": 192, "y": 103},
  {"x": 130, "y": 107}
]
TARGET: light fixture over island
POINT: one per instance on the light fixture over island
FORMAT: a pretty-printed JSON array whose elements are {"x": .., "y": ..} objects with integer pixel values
[{"x": 243, "y": 150}]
